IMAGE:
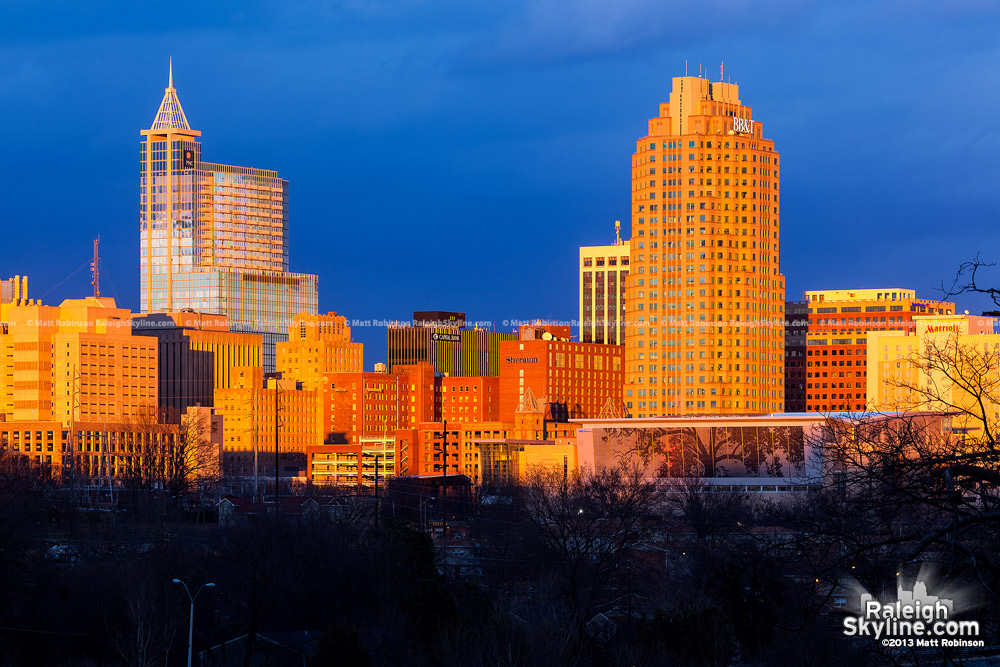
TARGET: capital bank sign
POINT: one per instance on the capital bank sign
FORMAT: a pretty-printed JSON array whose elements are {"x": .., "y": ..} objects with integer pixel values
[{"x": 743, "y": 125}]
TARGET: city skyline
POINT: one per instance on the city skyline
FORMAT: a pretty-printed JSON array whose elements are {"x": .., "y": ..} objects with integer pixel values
[
  {"x": 553, "y": 147},
  {"x": 523, "y": 332}
]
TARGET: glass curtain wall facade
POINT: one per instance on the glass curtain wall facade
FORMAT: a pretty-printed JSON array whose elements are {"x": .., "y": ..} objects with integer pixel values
[{"x": 214, "y": 237}]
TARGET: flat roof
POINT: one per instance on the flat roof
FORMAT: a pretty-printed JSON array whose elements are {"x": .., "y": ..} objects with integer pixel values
[{"x": 788, "y": 417}]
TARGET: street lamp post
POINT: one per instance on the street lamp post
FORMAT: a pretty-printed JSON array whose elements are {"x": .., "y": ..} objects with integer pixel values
[{"x": 192, "y": 598}]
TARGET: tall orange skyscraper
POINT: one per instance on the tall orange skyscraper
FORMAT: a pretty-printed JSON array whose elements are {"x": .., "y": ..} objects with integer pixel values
[{"x": 705, "y": 298}]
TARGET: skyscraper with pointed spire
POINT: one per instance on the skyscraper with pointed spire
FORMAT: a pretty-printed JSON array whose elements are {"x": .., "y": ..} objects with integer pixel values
[{"x": 214, "y": 237}]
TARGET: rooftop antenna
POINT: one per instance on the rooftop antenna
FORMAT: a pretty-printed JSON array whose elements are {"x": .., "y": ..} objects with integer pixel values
[
  {"x": 170, "y": 80},
  {"x": 95, "y": 270},
  {"x": 618, "y": 229},
  {"x": 722, "y": 77},
  {"x": 685, "y": 67}
]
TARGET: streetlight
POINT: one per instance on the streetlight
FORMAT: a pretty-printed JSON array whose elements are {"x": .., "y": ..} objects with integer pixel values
[{"x": 191, "y": 621}]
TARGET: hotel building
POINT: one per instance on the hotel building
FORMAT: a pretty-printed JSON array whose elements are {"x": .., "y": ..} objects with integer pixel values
[
  {"x": 214, "y": 237},
  {"x": 900, "y": 378},
  {"x": 837, "y": 340},
  {"x": 704, "y": 297},
  {"x": 576, "y": 380},
  {"x": 603, "y": 273}
]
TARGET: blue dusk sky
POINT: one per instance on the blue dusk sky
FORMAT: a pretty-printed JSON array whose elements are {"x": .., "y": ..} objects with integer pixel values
[{"x": 454, "y": 155}]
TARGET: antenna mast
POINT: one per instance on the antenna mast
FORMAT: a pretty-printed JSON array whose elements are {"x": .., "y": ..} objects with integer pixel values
[{"x": 95, "y": 271}]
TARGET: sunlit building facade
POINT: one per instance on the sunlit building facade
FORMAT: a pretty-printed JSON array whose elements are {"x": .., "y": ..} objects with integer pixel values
[
  {"x": 356, "y": 406},
  {"x": 78, "y": 361},
  {"x": 13, "y": 290},
  {"x": 197, "y": 356},
  {"x": 259, "y": 414},
  {"x": 603, "y": 273},
  {"x": 963, "y": 375},
  {"x": 469, "y": 399},
  {"x": 837, "y": 339},
  {"x": 705, "y": 297},
  {"x": 450, "y": 350},
  {"x": 318, "y": 344},
  {"x": 92, "y": 451},
  {"x": 214, "y": 237},
  {"x": 576, "y": 380}
]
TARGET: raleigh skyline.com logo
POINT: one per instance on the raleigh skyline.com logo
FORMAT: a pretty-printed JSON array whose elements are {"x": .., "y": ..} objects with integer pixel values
[{"x": 915, "y": 619}]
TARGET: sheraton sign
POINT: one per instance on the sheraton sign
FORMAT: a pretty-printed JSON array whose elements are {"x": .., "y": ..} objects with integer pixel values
[{"x": 522, "y": 360}]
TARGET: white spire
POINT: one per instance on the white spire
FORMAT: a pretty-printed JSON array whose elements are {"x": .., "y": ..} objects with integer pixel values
[{"x": 170, "y": 115}]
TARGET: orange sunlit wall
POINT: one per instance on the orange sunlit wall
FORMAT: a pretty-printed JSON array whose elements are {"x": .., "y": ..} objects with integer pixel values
[
  {"x": 837, "y": 340},
  {"x": 469, "y": 399},
  {"x": 704, "y": 296},
  {"x": 318, "y": 344},
  {"x": 361, "y": 405},
  {"x": 576, "y": 379},
  {"x": 76, "y": 361},
  {"x": 250, "y": 409},
  {"x": 197, "y": 354}
]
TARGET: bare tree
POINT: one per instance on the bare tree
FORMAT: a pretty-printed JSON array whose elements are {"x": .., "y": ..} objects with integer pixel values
[
  {"x": 968, "y": 280},
  {"x": 142, "y": 623},
  {"x": 922, "y": 485},
  {"x": 587, "y": 525},
  {"x": 23, "y": 504},
  {"x": 140, "y": 454},
  {"x": 192, "y": 462},
  {"x": 960, "y": 378},
  {"x": 710, "y": 511}
]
